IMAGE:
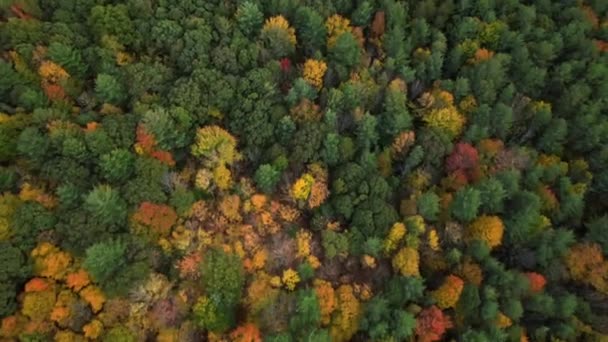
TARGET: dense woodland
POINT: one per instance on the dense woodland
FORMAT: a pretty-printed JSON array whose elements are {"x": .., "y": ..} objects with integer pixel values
[{"x": 303, "y": 170}]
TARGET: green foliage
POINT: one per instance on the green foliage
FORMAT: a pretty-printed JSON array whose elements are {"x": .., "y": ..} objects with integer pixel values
[
  {"x": 428, "y": 205},
  {"x": 117, "y": 166},
  {"x": 249, "y": 17},
  {"x": 466, "y": 204},
  {"x": 334, "y": 244},
  {"x": 106, "y": 205},
  {"x": 109, "y": 89},
  {"x": 222, "y": 276},
  {"x": 266, "y": 178},
  {"x": 105, "y": 259}
]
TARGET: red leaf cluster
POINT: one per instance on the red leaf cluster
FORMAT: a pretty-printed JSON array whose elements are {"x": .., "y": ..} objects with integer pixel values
[
  {"x": 432, "y": 324},
  {"x": 157, "y": 216},
  {"x": 464, "y": 159},
  {"x": 537, "y": 281}
]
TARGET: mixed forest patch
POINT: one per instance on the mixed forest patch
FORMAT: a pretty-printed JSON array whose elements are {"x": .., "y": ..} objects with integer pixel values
[{"x": 303, "y": 170}]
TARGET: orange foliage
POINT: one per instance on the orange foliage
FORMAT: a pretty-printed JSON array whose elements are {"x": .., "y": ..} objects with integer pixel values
[
  {"x": 586, "y": 264},
  {"x": 229, "y": 207},
  {"x": 327, "y": 299},
  {"x": 163, "y": 156},
  {"x": 145, "y": 140},
  {"x": 93, "y": 329},
  {"x": 483, "y": 55},
  {"x": 447, "y": 295},
  {"x": 60, "y": 313},
  {"x": 52, "y": 72},
  {"x": 36, "y": 285},
  {"x": 93, "y": 295},
  {"x": 431, "y": 324},
  {"x": 402, "y": 142},
  {"x": 9, "y": 327},
  {"x": 246, "y": 333},
  {"x": 77, "y": 280},
  {"x": 51, "y": 262},
  {"x": 537, "y": 281},
  {"x": 188, "y": 266},
  {"x": 159, "y": 217},
  {"x": 53, "y": 91}
]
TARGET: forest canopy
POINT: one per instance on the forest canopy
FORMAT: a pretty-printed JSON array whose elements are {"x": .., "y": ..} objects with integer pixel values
[{"x": 303, "y": 170}]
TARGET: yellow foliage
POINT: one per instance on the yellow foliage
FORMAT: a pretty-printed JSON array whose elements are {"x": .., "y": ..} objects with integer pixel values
[
  {"x": 280, "y": 23},
  {"x": 168, "y": 335},
  {"x": 346, "y": 319},
  {"x": 38, "y": 305},
  {"x": 487, "y": 228},
  {"x": 336, "y": 25},
  {"x": 275, "y": 281},
  {"x": 216, "y": 145},
  {"x": 407, "y": 261},
  {"x": 394, "y": 237},
  {"x": 123, "y": 58},
  {"x": 290, "y": 279},
  {"x": 368, "y": 261},
  {"x": 301, "y": 188},
  {"x": 313, "y": 72},
  {"x": 93, "y": 329},
  {"x": 446, "y": 119},
  {"x": 93, "y": 295},
  {"x": 52, "y": 72},
  {"x": 415, "y": 224},
  {"x": 503, "y": 321},
  {"x": 203, "y": 179},
  {"x": 303, "y": 238},
  {"x": 8, "y": 205},
  {"x": 222, "y": 177},
  {"x": 313, "y": 261},
  {"x": 433, "y": 240},
  {"x": 327, "y": 299},
  {"x": 67, "y": 336},
  {"x": 447, "y": 295}
]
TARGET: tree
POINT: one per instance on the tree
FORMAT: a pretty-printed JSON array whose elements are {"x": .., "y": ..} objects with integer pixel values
[
  {"x": 106, "y": 205},
  {"x": 216, "y": 145},
  {"x": 488, "y": 229},
  {"x": 428, "y": 205},
  {"x": 345, "y": 53},
  {"x": 249, "y": 17},
  {"x": 109, "y": 89},
  {"x": 117, "y": 166},
  {"x": 223, "y": 280},
  {"x": 278, "y": 37},
  {"x": 13, "y": 271},
  {"x": 466, "y": 203},
  {"x": 103, "y": 260}
]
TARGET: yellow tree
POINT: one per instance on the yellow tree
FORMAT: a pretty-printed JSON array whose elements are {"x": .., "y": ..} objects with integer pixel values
[
  {"x": 313, "y": 72},
  {"x": 346, "y": 318},
  {"x": 407, "y": 262},
  {"x": 487, "y": 228},
  {"x": 448, "y": 293},
  {"x": 216, "y": 145}
]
